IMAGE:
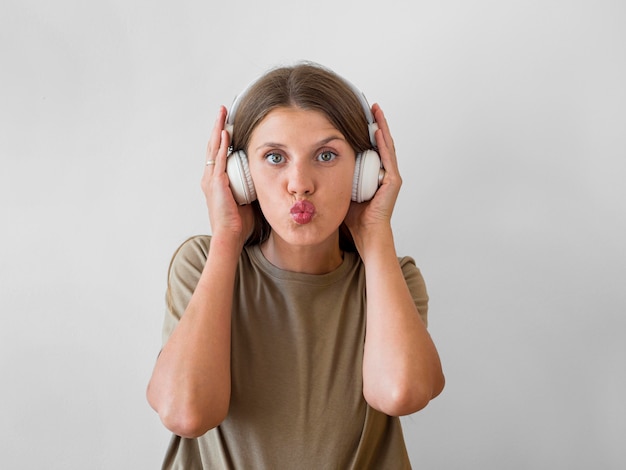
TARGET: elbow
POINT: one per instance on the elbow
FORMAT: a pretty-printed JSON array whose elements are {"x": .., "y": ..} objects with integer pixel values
[
  {"x": 190, "y": 424},
  {"x": 439, "y": 384},
  {"x": 188, "y": 420},
  {"x": 399, "y": 402},
  {"x": 403, "y": 399}
]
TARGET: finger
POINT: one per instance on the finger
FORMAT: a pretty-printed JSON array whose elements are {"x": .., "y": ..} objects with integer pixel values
[
  {"x": 384, "y": 140},
  {"x": 215, "y": 137},
  {"x": 217, "y": 164},
  {"x": 383, "y": 125},
  {"x": 222, "y": 153}
]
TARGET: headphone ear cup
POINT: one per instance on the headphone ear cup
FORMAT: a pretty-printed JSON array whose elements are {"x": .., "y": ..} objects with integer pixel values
[
  {"x": 239, "y": 177},
  {"x": 368, "y": 175}
]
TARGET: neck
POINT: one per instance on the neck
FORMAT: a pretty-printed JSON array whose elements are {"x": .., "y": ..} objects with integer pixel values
[{"x": 309, "y": 259}]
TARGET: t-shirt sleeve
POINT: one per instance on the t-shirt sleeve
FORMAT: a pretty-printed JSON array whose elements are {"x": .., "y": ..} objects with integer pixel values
[
  {"x": 183, "y": 276},
  {"x": 417, "y": 286}
]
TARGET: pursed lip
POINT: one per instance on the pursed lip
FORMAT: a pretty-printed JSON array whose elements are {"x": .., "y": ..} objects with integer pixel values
[{"x": 302, "y": 212}]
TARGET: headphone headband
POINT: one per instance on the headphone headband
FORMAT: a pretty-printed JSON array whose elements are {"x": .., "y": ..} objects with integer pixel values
[{"x": 372, "y": 127}]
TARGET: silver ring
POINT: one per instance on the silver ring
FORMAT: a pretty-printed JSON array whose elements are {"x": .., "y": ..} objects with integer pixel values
[{"x": 210, "y": 162}]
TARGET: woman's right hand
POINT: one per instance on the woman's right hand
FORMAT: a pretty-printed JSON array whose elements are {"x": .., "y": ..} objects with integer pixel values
[
  {"x": 190, "y": 386},
  {"x": 227, "y": 218}
]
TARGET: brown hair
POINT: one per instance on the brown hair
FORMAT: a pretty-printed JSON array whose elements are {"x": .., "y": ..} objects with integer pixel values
[{"x": 310, "y": 87}]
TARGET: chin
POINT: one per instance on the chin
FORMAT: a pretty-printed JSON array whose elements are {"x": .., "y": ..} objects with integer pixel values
[{"x": 306, "y": 235}]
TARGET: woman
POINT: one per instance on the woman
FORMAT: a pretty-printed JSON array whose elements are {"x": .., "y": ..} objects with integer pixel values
[{"x": 294, "y": 336}]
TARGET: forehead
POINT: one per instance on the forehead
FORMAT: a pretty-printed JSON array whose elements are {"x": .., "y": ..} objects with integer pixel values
[{"x": 289, "y": 120}]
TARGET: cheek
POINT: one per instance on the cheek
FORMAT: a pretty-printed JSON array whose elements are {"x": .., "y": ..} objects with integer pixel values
[
  {"x": 258, "y": 179},
  {"x": 343, "y": 194},
  {"x": 343, "y": 184},
  {"x": 338, "y": 195}
]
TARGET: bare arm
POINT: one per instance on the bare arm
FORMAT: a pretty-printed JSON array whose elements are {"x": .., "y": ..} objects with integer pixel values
[
  {"x": 190, "y": 384},
  {"x": 401, "y": 367}
]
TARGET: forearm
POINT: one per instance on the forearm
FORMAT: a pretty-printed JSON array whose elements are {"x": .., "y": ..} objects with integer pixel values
[
  {"x": 401, "y": 366},
  {"x": 190, "y": 385}
]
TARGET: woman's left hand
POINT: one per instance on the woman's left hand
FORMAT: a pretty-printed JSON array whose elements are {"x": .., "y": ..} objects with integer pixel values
[
  {"x": 374, "y": 217},
  {"x": 401, "y": 366}
]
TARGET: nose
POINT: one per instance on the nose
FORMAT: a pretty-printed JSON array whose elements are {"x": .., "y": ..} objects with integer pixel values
[{"x": 300, "y": 179}]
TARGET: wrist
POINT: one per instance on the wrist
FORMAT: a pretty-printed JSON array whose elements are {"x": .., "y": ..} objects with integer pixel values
[
  {"x": 372, "y": 243},
  {"x": 226, "y": 244}
]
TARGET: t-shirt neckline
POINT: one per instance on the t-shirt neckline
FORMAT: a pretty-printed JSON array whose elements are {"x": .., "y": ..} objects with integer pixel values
[{"x": 258, "y": 258}]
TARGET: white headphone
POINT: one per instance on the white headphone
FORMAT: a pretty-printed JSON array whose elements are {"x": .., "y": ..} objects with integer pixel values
[{"x": 368, "y": 172}]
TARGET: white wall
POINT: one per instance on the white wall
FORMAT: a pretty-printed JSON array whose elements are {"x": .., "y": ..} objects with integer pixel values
[{"x": 510, "y": 124}]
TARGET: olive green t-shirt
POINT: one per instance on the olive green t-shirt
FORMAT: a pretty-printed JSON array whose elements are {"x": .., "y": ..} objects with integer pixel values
[{"x": 297, "y": 356}]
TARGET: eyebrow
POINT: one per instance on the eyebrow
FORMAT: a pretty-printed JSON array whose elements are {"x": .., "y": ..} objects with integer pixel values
[{"x": 321, "y": 143}]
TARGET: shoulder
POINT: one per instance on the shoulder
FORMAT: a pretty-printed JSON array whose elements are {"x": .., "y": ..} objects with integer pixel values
[
  {"x": 188, "y": 260},
  {"x": 196, "y": 246},
  {"x": 191, "y": 253},
  {"x": 410, "y": 269},
  {"x": 417, "y": 285}
]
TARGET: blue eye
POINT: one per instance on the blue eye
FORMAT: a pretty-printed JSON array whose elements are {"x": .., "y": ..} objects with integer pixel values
[
  {"x": 274, "y": 158},
  {"x": 326, "y": 156}
]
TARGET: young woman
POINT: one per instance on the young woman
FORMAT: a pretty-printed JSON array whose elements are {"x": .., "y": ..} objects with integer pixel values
[{"x": 294, "y": 336}]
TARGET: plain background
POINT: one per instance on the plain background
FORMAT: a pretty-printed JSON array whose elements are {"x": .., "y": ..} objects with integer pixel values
[{"x": 510, "y": 124}]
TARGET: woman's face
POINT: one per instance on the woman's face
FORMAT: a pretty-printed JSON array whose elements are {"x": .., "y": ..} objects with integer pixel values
[{"x": 302, "y": 168}]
